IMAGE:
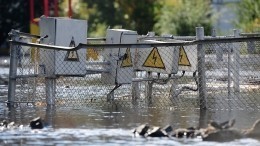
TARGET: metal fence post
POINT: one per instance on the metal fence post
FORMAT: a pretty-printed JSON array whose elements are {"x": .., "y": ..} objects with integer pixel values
[
  {"x": 229, "y": 71},
  {"x": 135, "y": 89},
  {"x": 50, "y": 91},
  {"x": 219, "y": 50},
  {"x": 12, "y": 71},
  {"x": 148, "y": 87},
  {"x": 236, "y": 63},
  {"x": 201, "y": 69},
  {"x": 49, "y": 115}
]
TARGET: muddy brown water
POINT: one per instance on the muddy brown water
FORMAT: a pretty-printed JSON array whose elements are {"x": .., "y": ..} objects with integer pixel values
[{"x": 111, "y": 126}]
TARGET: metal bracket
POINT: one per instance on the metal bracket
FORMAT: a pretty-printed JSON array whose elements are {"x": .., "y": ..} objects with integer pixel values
[{"x": 110, "y": 95}]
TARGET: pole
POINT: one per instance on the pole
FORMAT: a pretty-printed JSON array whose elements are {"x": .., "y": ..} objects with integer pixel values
[
  {"x": 70, "y": 9},
  {"x": 149, "y": 88},
  {"x": 236, "y": 63},
  {"x": 12, "y": 71},
  {"x": 135, "y": 89},
  {"x": 31, "y": 10},
  {"x": 56, "y": 12},
  {"x": 50, "y": 84},
  {"x": 229, "y": 71},
  {"x": 201, "y": 69},
  {"x": 46, "y": 7}
]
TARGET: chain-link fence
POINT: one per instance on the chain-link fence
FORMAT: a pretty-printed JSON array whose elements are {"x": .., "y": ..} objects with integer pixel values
[
  {"x": 218, "y": 73},
  {"x": 232, "y": 75}
]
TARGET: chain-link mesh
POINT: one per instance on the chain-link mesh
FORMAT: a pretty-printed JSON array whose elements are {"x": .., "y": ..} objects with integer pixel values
[
  {"x": 119, "y": 76},
  {"x": 29, "y": 88},
  {"x": 233, "y": 75}
]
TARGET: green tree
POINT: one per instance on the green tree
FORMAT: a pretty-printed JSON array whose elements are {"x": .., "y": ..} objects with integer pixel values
[
  {"x": 128, "y": 14},
  {"x": 181, "y": 17},
  {"x": 14, "y": 15},
  {"x": 138, "y": 15},
  {"x": 248, "y": 12},
  {"x": 99, "y": 14}
]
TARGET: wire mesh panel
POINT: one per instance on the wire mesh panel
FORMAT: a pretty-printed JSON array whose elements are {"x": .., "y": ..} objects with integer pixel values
[
  {"x": 232, "y": 76},
  {"x": 29, "y": 89},
  {"x": 163, "y": 76}
]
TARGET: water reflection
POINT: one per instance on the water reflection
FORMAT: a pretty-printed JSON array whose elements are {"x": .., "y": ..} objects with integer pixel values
[
  {"x": 125, "y": 117},
  {"x": 49, "y": 116}
]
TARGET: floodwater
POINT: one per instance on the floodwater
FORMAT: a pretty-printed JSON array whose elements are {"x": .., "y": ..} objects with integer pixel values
[{"x": 111, "y": 126}]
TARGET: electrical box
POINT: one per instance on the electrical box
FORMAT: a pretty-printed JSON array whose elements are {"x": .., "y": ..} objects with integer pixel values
[
  {"x": 120, "y": 60},
  {"x": 187, "y": 56},
  {"x": 63, "y": 32},
  {"x": 158, "y": 59}
]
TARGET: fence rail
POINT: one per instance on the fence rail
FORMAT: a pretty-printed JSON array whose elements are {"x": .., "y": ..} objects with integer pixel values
[{"x": 216, "y": 73}]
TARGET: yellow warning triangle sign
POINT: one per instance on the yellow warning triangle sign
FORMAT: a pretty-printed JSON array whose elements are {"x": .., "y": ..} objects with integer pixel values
[
  {"x": 72, "y": 55},
  {"x": 154, "y": 60},
  {"x": 183, "y": 58},
  {"x": 127, "y": 61},
  {"x": 91, "y": 53}
]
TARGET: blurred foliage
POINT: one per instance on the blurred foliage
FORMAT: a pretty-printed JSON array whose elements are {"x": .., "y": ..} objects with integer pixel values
[
  {"x": 128, "y": 14},
  {"x": 177, "y": 17},
  {"x": 248, "y": 12},
  {"x": 14, "y": 15},
  {"x": 139, "y": 15},
  {"x": 182, "y": 16}
]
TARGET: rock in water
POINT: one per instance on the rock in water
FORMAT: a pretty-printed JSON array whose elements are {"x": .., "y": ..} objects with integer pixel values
[
  {"x": 223, "y": 136},
  {"x": 156, "y": 132},
  {"x": 142, "y": 130},
  {"x": 168, "y": 129},
  {"x": 184, "y": 133},
  {"x": 36, "y": 123},
  {"x": 227, "y": 124},
  {"x": 215, "y": 125},
  {"x": 4, "y": 123},
  {"x": 254, "y": 131}
]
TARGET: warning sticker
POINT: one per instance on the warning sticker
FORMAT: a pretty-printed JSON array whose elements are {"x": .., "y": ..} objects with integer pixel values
[
  {"x": 127, "y": 61},
  {"x": 72, "y": 55},
  {"x": 183, "y": 58},
  {"x": 91, "y": 53},
  {"x": 154, "y": 60}
]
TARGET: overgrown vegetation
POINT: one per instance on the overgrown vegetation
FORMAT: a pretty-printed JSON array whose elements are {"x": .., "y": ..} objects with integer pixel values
[
  {"x": 248, "y": 12},
  {"x": 177, "y": 17},
  {"x": 182, "y": 16},
  {"x": 129, "y": 14}
]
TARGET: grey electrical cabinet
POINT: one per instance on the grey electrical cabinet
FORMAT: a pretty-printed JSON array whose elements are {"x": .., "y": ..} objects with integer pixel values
[{"x": 63, "y": 32}]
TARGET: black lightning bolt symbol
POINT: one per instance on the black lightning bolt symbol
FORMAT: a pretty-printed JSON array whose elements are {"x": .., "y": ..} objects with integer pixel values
[
  {"x": 180, "y": 58},
  {"x": 154, "y": 57}
]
